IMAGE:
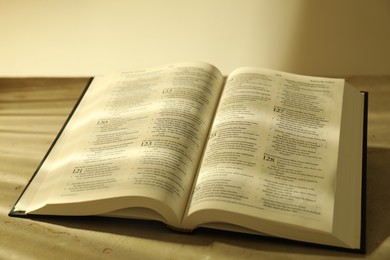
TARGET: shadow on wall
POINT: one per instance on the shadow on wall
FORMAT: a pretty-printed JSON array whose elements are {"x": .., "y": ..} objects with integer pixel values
[{"x": 351, "y": 37}]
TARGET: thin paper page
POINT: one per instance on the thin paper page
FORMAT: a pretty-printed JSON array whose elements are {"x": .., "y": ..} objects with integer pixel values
[
  {"x": 273, "y": 150},
  {"x": 139, "y": 133}
]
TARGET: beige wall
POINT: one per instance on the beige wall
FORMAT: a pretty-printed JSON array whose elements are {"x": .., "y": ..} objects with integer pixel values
[{"x": 90, "y": 37}]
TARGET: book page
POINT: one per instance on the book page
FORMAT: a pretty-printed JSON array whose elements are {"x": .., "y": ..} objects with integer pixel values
[
  {"x": 272, "y": 151},
  {"x": 139, "y": 133}
]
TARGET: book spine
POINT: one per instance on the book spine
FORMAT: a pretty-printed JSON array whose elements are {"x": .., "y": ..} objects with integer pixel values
[{"x": 179, "y": 229}]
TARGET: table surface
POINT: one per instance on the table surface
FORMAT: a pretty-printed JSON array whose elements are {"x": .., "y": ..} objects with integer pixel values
[{"x": 32, "y": 111}]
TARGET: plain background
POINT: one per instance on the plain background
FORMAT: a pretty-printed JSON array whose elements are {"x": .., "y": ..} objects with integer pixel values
[{"x": 93, "y": 37}]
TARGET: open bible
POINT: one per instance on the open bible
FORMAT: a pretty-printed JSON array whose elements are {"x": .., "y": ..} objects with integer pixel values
[{"x": 258, "y": 151}]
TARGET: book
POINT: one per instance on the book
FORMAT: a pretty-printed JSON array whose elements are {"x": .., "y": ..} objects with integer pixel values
[{"x": 258, "y": 151}]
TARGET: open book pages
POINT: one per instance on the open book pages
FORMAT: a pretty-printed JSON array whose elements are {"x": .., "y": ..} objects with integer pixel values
[{"x": 260, "y": 150}]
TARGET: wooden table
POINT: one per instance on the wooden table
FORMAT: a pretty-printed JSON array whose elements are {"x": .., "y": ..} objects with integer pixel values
[{"x": 32, "y": 110}]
